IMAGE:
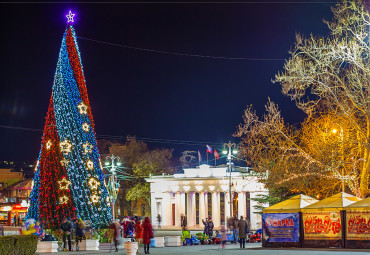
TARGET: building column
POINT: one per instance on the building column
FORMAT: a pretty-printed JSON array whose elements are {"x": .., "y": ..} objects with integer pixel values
[
  {"x": 215, "y": 209},
  {"x": 241, "y": 204},
  {"x": 177, "y": 210},
  {"x": 227, "y": 206},
  {"x": 206, "y": 204},
  {"x": 182, "y": 202},
  {"x": 202, "y": 210},
  {"x": 191, "y": 209}
]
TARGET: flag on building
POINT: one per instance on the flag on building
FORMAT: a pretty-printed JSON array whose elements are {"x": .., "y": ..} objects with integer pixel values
[
  {"x": 209, "y": 149},
  {"x": 217, "y": 155}
]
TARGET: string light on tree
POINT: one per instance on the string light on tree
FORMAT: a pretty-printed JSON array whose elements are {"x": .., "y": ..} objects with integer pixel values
[{"x": 83, "y": 108}]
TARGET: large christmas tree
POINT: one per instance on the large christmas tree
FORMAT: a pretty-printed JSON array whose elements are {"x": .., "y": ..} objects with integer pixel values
[{"x": 69, "y": 178}]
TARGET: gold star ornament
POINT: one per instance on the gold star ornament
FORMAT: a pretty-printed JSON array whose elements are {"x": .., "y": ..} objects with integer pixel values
[
  {"x": 94, "y": 183},
  {"x": 87, "y": 147},
  {"x": 66, "y": 146},
  {"x": 95, "y": 198},
  {"x": 89, "y": 164},
  {"x": 85, "y": 127},
  {"x": 64, "y": 183},
  {"x": 83, "y": 108},
  {"x": 63, "y": 200},
  {"x": 48, "y": 144}
]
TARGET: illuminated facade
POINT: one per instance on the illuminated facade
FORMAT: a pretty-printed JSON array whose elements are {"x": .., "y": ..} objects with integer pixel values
[{"x": 202, "y": 192}]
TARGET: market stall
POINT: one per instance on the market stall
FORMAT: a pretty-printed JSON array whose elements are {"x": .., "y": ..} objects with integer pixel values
[
  {"x": 281, "y": 223},
  {"x": 323, "y": 221},
  {"x": 358, "y": 224}
]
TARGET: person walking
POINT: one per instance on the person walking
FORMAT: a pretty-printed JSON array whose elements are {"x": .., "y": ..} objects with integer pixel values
[
  {"x": 159, "y": 220},
  {"x": 183, "y": 222},
  {"x": 210, "y": 227},
  {"x": 147, "y": 234},
  {"x": 116, "y": 233},
  {"x": 66, "y": 227},
  {"x": 235, "y": 228},
  {"x": 223, "y": 236},
  {"x": 138, "y": 234},
  {"x": 242, "y": 224},
  {"x": 80, "y": 232}
]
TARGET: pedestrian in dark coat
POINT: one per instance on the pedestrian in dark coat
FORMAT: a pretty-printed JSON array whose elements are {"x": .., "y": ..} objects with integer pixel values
[
  {"x": 210, "y": 227},
  {"x": 147, "y": 234},
  {"x": 66, "y": 227},
  {"x": 242, "y": 231},
  {"x": 205, "y": 223}
]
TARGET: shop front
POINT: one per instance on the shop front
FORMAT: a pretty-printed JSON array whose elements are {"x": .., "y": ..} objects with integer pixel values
[{"x": 13, "y": 214}]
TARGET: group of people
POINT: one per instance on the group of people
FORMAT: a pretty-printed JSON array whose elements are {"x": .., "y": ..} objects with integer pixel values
[
  {"x": 142, "y": 232},
  {"x": 208, "y": 227},
  {"x": 239, "y": 228},
  {"x": 74, "y": 227}
]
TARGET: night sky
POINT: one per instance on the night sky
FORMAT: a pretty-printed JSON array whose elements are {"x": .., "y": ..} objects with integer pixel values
[{"x": 148, "y": 94}]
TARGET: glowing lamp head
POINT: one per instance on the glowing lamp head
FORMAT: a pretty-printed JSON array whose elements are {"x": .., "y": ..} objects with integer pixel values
[
  {"x": 119, "y": 163},
  {"x": 224, "y": 152},
  {"x": 334, "y": 131},
  {"x": 235, "y": 152},
  {"x": 70, "y": 17},
  {"x": 106, "y": 163}
]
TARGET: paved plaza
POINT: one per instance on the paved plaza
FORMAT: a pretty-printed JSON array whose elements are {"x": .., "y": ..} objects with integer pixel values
[{"x": 253, "y": 248}]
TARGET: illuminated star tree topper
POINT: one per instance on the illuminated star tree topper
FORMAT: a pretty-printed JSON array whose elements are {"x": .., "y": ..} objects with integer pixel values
[{"x": 70, "y": 17}]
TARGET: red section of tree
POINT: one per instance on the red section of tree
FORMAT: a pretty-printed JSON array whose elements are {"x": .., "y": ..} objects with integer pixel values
[
  {"x": 51, "y": 170},
  {"x": 77, "y": 71}
]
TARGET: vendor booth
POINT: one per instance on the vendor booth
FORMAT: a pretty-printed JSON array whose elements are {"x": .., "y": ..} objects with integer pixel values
[
  {"x": 323, "y": 221},
  {"x": 358, "y": 224},
  {"x": 281, "y": 223}
]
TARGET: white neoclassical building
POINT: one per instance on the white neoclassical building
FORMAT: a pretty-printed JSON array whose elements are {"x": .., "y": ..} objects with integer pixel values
[{"x": 202, "y": 192}]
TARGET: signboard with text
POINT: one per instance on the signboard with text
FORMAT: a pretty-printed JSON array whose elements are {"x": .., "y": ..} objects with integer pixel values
[
  {"x": 358, "y": 225},
  {"x": 280, "y": 227},
  {"x": 322, "y": 225}
]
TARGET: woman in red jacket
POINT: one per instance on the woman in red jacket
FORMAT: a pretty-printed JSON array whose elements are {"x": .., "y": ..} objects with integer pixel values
[
  {"x": 138, "y": 233},
  {"x": 147, "y": 234}
]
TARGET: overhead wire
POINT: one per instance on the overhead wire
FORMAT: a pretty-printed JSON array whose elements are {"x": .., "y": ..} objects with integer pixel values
[
  {"x": 181, "y": 54},
  {"x": 125, "y": 138}
]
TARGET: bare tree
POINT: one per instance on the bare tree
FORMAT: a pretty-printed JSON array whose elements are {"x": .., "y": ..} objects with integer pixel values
[{"x": 328, "y": 78}]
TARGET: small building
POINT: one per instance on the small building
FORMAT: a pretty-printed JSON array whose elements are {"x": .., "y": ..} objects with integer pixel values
[
  {"x": 203, "y": 192},
  {"x": 14, "y": 202}
]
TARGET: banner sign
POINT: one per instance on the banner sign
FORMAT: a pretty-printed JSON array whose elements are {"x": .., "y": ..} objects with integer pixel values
[
  {"x": 358, "y": 225},
  {"x": 280, "y": 227},
  {"x": 322, "y": 226}
]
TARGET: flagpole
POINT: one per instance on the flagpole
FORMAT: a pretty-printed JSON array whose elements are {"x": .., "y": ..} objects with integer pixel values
[{"x": 207, "y": 157}]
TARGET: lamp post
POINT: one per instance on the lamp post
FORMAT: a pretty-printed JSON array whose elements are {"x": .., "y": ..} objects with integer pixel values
[
  {"x": 230, "y": 150},
  {"x": 334, "y": 131},
  {"x": 113, "y": 166}
]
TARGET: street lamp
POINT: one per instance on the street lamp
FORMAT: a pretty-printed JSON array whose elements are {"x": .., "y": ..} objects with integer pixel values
[
  {"x": 230, "y": 150},
  {"x": 334, "y": 131},
  {"x": 113, "y": 166}
]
